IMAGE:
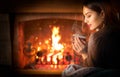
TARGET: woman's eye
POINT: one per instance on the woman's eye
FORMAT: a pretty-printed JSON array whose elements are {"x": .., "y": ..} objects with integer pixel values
[{"x": 88, "y": 16}]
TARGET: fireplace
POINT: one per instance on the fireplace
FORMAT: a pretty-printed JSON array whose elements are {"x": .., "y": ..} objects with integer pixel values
[{"x": 42, "y": 42}]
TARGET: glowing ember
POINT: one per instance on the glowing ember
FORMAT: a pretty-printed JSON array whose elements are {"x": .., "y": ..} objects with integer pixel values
[{"x": 38, "y": 49}]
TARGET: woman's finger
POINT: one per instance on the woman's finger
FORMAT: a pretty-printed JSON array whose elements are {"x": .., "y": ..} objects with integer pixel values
[
  {"x": 79, "y": 43},
  {"x": 74, "y": 47}
]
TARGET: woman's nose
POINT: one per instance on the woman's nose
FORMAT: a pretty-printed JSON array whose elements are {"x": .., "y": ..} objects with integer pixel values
[{"x": 85, "y": 20}]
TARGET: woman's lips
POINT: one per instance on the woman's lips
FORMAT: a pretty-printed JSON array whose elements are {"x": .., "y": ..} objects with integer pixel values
[{"x": 89, "y": 25}]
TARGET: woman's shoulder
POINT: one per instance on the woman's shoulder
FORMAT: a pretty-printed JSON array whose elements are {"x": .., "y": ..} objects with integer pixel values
[
  {"x": 107, "y": 33},
  {"x": 105, "y": 37}
]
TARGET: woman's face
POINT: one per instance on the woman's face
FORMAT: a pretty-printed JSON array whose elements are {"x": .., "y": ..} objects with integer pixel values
[{"x": 92, "y": 18}]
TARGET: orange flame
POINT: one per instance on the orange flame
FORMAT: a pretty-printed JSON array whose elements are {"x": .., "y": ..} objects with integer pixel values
[
  {"x": 55, "y": 39},
  {"x": 56, "y": 46},
  {"x": 55, "y": 53}
]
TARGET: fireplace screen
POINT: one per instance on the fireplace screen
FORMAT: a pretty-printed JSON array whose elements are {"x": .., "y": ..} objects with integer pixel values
[{"x": 43, "y": 41}]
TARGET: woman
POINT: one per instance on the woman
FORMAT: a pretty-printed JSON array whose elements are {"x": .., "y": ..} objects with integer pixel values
[
  {"x": 103, "y": 49},
  {"x": 103, "y": 45}
]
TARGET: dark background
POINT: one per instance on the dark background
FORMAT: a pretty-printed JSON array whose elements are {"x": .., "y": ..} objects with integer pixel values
[{"x": 43, "y": 5}]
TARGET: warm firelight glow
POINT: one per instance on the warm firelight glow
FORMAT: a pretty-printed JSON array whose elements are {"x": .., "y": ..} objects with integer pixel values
[
  {"x": 54, "y": 47},
  {"x": 46, "y": 46},
  {"x": 46, "y": 41},
  {"x": 38, "y": 49},
  {"x": 56, "y": 38},
  {"x": 40, "y": 43},
  {"x": 37, "y": 57}
]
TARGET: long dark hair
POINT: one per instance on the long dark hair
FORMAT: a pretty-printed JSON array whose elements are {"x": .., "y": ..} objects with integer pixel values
[{"x": 111, "y": 13}]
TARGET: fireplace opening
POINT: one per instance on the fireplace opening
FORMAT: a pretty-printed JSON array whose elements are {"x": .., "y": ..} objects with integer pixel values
[{"x": 45, "y": 43}]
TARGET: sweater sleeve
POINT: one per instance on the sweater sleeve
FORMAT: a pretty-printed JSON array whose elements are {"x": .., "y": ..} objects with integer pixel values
[{"x": 92, "y": 52}]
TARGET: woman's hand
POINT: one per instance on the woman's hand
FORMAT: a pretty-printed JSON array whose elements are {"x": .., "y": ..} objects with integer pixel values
[{"x": 78, "y": 44}]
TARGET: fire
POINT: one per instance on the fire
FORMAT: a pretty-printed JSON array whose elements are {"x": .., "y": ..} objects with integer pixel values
[
  {"x": 55, "y": 51},
  {"x": 57, "y": 48},
  {"x": 49, "y": 48},
  {"x": 56, "y": 38}
]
